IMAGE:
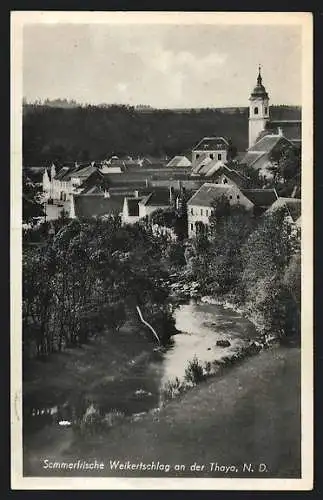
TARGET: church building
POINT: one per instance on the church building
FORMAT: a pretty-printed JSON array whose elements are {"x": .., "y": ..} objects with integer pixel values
[{"x": 258, "y": 110}]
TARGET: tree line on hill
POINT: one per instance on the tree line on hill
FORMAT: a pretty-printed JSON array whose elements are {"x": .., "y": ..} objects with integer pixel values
[{"x": 94, "y": 133}]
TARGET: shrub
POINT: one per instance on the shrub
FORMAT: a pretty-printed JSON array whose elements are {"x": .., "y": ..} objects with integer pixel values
[
  {"x": 194, "y": 372},
  {"x": 172, "y": 389}
]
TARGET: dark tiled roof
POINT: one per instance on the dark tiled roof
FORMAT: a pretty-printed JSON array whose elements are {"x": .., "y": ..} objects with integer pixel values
[
  {"x": 64, "y": 174},
  {"x": 261, "y": 197},
  {"x": 84, "y": 172},
  {"x": 93, "y": 205},
  {"x": 258, "y": 155},
  {"x": 239, "y": 179},
  {"x": 211, "y": 144},
  {"x": 133, "y": 206},
  {"x": 208, "y": 193},
  {"x": 158, "y": 197},
  {"x": 266, "y": 143}
]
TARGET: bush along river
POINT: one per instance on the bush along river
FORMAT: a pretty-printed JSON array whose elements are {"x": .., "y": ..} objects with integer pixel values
[{"x": 210, "y": 337}]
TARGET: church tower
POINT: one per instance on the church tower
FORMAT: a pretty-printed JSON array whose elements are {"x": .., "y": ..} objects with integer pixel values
[{"x": 258, "y": 110}]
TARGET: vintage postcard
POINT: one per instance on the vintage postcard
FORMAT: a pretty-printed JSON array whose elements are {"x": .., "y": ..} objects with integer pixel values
[{"x": 161, "y": 250}]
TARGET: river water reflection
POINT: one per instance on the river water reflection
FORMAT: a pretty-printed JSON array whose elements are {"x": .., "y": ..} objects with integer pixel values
[{"x": 200, "y": 326}]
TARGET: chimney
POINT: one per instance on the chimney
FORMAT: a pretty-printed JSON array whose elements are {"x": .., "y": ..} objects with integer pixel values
[
  {"x": 146, "y": 183},
  {"x": 280, "y": 131},
  {"x": 136, "y": 193},
  {"x": 106, "y": 194}
]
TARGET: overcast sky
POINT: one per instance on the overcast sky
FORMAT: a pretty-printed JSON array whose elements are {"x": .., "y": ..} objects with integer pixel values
[{"x": 161, "y": 65}]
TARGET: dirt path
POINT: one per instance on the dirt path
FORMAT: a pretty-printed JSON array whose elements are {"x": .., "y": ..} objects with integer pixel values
[{"x": 251, "y": 415}]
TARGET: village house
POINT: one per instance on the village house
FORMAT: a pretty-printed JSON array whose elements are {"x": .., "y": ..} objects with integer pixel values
[
  {"x": 210, "y": 148},
  {"x": 68, "y": 180},
  {"x": 201, "y": 205},
  {"x": 218, "y": 173}
]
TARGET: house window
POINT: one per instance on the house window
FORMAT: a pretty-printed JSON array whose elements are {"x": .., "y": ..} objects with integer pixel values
[
  {"x": 266, "y": 110},
  {"x": 201, "y": 211},
  {"x": 238, "y": 197},
  {"x": 230, "y": 197},
  {"x": 225, "y": 181},
  {"x": 219, "y": 156},
  {"x": 256, "y": 111},
  {"x": 207, "y": 212},
  {"x": 192, "y": 227},
  {"x": 211, "y": 156},
  {"x": 192, "y": 211},
  {"x": 197, "y": 155}
]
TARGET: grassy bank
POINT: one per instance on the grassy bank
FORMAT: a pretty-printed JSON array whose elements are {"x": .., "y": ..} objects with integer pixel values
[
  {"x": 250, "y": 415},
  {"x": 76, "y": 376}
]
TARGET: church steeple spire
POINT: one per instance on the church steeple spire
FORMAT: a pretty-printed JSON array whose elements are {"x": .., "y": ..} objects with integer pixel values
[{"x": 259, "y": 79}]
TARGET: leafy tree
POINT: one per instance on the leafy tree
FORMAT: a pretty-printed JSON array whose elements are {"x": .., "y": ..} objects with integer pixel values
[{"x": 32, "y": 202}]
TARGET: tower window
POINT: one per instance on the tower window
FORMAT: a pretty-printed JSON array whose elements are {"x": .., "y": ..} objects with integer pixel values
[{"x": 256, "y": 110}]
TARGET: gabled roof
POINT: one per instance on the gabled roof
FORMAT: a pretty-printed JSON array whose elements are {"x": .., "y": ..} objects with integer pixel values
[
  {"x": 239, "y": 179},
  {"x": 94, "y": 205},
  {"x": 84, "y": 172},
  {"x": 258, "y": 154},
  {"x": 261, "y": 197},
  {"x": 158, "y": 197},
  {"x": 208, "y": 193},
  {"x": 179, "y": 161},
  {"x": 64, "y": 174},
  {"x": 266, "y": 143},
  {"x": 204, "y": 159},
  {"x": 211, "y": 144},
  {"x": 293, "y": 205},
  {"x": 211, "y": 166}
]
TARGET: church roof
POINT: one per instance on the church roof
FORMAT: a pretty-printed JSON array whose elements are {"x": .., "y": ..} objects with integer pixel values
[
  {"x": 259, "y": 90},
  {"x": 258, "y": 154}
]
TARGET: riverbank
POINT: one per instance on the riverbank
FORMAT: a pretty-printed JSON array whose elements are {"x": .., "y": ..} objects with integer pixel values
[
  {"x": 65, "y": 382},
  {"x": 250, "y": 415}
]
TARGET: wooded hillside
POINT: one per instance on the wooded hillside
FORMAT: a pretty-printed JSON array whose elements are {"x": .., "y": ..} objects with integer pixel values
[{"x": 93, "y": 133}]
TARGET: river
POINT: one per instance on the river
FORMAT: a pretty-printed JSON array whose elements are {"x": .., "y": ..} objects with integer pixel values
[{"x": 138, "y": 390}]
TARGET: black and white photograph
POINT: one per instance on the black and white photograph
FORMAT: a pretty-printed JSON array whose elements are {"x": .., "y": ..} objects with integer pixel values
[{"x": 161, "y": 250}]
